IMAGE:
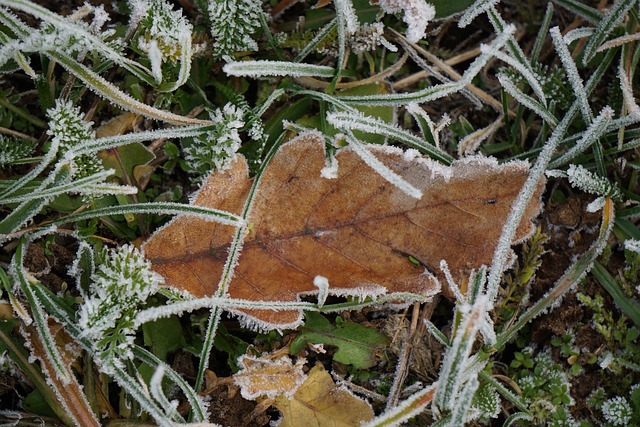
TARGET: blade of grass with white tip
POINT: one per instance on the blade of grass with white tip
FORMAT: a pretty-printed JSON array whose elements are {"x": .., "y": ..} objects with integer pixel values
[
  {"x": 572, "y": 74},
  {"x": 524, "y": 99},
  {"x": 434, "y": 92},
  {"x": 451, "y": 376},
  {"x": 350, "y": 121},
  {"x": 524, "y": 70},
  {"x": 140, "y": 394},
  {"x": 611, "y": 19},
  {"x": 33, "y": 173},
  {"x": 518, "y": 417},
  {"x": 107, "y": 90},
  {"x": 159, "y": 208},
  {"x": 464, "y": 402},
  {"x": 473, "y": 11},
  {"x": 29, "y": 208},
  {"x": 407, "y": 409},
  {"x": 317, "y": 39},
  {"x": 382, "y": 169},
  {"x": 22, "y": 61},
  {"x": 198, "y": 407},
  {"x": 40, "y": 318},
  {"x": 597, "y": 128},
  {"x": 577, "y": 34},
  {"x": 77, "y": 186},
  {"x": 277, "y": 68},
  {"x": 93, "y": 145},
  {"x": 155, "y": 387}
]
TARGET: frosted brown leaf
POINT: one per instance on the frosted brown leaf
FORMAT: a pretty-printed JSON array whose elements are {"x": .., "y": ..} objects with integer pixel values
[{"x": 357, "y": 230}]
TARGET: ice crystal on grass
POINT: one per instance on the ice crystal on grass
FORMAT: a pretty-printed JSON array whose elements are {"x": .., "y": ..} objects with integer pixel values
[
  {"x": 213, "y": 150},
  {"x": 123, "y": 281},
  {"x": 12, "y": 149},
  {"x": 233, "y": 22},
  {"x": 167, "y": 28},
  {"x": 617, "y": 411},
  {"x": 589, "y": 182},
  {"x": 417, "y": 14},
  {"x": 68, "y": 129}
]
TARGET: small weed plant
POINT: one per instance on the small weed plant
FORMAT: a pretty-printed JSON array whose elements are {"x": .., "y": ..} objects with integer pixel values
[{"x": 110, "y": 116}]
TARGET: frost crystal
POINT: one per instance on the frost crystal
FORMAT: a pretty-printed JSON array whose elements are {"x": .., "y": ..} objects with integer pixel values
[
  {"x": 168, "y": 28},
  {"x": 367, "y": 37},
  {"x": 617, "y": 411},
  {"x": 586, "y": 181},
  {"x": 232, "y": 24},
  {"x": 632, "y": 245},
  {"x": 68, "y": 129},
  {"x": 214, "y": 150},
  {"x": 122, "y": 282},
  {"x": 12, "y": 149},
  {"x": 417, "y": 14}
]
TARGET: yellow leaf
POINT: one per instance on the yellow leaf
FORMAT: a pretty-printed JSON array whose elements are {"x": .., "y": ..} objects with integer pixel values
[{"x": 320, "y": 403}]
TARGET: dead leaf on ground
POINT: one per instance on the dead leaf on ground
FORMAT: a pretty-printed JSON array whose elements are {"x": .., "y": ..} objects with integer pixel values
[
  {"x": 268, "y": 377},
  {"x": 357, "y": 230},
  {"x": 319, "y": 402}
]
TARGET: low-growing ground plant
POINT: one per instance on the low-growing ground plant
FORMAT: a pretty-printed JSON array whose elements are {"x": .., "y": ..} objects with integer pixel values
[{"x": 240, "y": 212}]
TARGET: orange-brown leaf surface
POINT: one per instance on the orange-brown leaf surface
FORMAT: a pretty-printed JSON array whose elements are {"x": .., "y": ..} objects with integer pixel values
[{"x": 357, "y": 230}]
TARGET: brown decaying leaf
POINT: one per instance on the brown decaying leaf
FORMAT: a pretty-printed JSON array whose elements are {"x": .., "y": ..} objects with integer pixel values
[
  {"x": 357, "y": 230},
  {"x": 320, "y": 403}
]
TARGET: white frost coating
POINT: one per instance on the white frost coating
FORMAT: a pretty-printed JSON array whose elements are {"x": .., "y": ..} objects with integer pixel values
[
  {"x": 417, "y": 14},
  {"x": 606, "y": 360},
  {"x": 345, "y": 10},
  {"x": 155, "y": 57},
  {"x": 524, "y": 70},
  {"x": 572, "y": 73},
  {"x": 276, "y": 68},
  {"x": 589, "y": 182},
  {"x": 256, "y": 325},
  {"x": 322, "y": 283},
  {"x": 453, "y": 286},
  {"x": 259, "y": 376},
  {"x": 595, "y": 130},
  {"x": 526, "y": 100},
  {"x": 452, "y": 374},
  {"x": 578, "y": 33},
  {"x": 363, "y": 292},
  {"x": 404, "y": 411},
  {"x": 330, "y": 171},
  {"x": 627, "y": 92},
  {"x": 155, "y": 387},
  {"x": 417, "y": 112},
  {"x": 478, "y": 7},
  {"x": 382, "y": 169},
  {"x": 596, "y": 205},
  {"x": 632, "y": 245},
  {"x": 410, "y": 155}
]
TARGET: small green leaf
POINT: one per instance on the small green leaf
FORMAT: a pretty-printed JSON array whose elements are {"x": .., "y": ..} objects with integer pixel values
[
  {"x": 163, "y": 336},
  {"x": 125, "y": 158},
  {"x": 357, "y": 344}
]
